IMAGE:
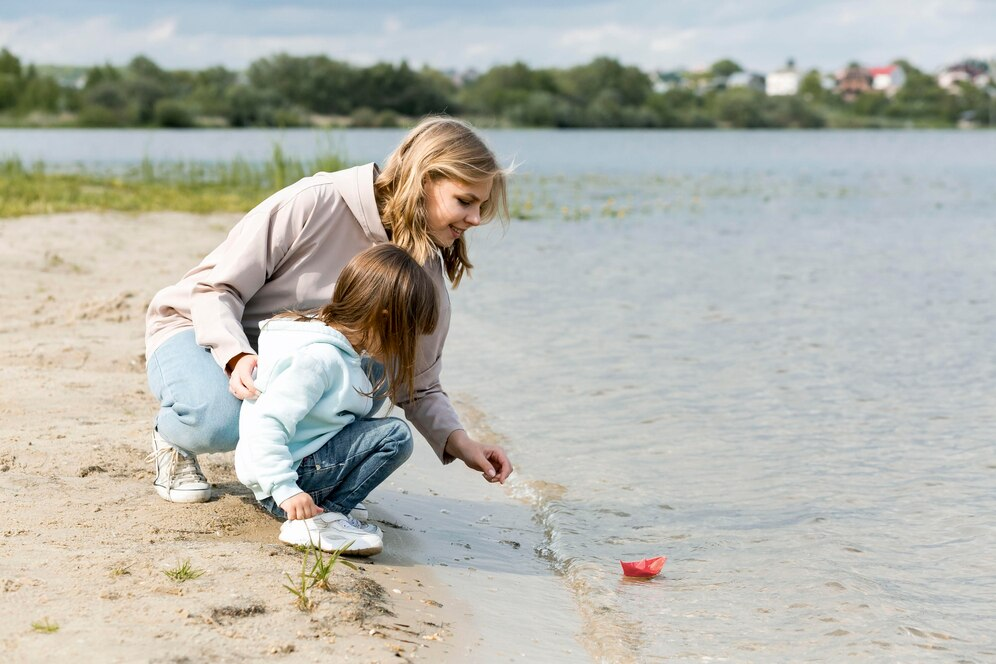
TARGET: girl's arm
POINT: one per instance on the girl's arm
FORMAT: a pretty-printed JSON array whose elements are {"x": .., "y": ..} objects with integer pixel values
[
  {"x": 300, "y": 506},
  {"x": 267, "y": 426}
]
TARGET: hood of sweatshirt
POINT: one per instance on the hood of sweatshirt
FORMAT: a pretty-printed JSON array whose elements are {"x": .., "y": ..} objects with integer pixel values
[
  {"x": 356, "y": 186},
  {"x": 280, "y": 338}
]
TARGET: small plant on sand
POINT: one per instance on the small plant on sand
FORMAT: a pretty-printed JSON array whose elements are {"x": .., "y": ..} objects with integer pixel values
[
  {"x": 45, "y": 627},
  {"x": 300, "y": 587},
  {"x": 183, "y": 572},
  {"x": 323, "y": 567},
  {"x": 318, "y": 576},
  {"x": 121, "y": 570}
]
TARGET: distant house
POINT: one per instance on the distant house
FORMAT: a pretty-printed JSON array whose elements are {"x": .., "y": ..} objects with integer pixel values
[
  {"x": 974, "y": 72},
  {"x": 783, "y": 82},
  {"x": 853, "y": 81},
  {"x": 887, "y": 79},
  {"x": 746, "y": 79},
  {"x": 662, "y": 81}
]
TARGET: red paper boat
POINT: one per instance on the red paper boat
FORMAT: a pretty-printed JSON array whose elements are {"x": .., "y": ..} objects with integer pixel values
[{"x": 644, "y": 568}]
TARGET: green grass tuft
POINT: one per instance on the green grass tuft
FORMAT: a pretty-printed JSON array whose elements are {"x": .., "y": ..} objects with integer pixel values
[
  {"x": 317, "y": 576},
  {"x": 45, "y": 627},
  {"x": 183, "y": 572}
]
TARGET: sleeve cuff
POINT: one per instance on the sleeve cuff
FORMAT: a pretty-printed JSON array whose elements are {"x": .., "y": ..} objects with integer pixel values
[
  {"x": 443, "y": 455},
  {"x": 223, "y": 354},
  {"x": 282, "y": 492}
]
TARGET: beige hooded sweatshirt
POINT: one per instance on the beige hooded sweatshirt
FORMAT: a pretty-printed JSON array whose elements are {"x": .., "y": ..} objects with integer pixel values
[{"x": 287, "y": 253}]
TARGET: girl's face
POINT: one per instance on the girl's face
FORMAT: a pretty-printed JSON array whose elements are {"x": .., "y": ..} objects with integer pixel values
[{"x": 452, "y": 207}]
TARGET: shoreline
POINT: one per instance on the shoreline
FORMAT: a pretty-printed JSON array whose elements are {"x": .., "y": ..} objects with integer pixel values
[{"x": 86, "y": 541}]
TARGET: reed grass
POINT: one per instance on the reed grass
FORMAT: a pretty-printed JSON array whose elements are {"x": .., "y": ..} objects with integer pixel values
[{"x": 233, "y": 186}]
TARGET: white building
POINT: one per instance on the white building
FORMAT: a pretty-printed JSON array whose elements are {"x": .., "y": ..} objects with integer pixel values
[
  {"x": 782, "y": 82},
  {"x": 887, "y": 79}
]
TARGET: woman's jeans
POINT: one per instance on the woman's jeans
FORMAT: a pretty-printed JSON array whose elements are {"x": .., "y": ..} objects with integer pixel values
[
  {"x": 197, "y": 413},
  {"x": 348, "y": 467}
]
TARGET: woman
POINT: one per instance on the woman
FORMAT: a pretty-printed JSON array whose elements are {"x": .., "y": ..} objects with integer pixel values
[{"x": 287, "y": 253}]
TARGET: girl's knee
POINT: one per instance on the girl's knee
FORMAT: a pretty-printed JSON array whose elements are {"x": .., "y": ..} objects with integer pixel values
[{"x": 400, "y": 439}]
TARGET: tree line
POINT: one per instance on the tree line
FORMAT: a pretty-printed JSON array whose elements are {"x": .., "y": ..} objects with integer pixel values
[{"x": 285, "y": 90}]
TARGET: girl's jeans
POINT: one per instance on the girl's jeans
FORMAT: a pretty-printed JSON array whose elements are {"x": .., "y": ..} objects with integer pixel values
[
  {"x": 348, "y": 467},
  {"x": 197, "y": 413}
]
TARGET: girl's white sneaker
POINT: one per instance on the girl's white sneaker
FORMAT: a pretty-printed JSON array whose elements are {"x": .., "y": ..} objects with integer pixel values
[
  {"x": 360, "y": 512},
  {"x": 331, "y": 531}
]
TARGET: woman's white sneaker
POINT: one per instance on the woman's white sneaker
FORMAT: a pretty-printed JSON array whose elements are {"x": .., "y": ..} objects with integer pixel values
[
  {"x": 178, "y": 477},
  {"x": 330, "y": 531}
]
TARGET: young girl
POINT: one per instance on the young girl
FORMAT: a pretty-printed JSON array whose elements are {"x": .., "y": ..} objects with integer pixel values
[{"x": 308, "y": 447}]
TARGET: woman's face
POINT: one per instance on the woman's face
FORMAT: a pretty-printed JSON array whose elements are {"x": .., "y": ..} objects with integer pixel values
[{"x": 452, "y": 207}]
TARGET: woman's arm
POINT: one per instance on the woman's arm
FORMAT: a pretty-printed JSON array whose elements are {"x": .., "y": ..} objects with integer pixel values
[
  {"x": 240, "y": 267},
  {"x": 490, "y": 460}
]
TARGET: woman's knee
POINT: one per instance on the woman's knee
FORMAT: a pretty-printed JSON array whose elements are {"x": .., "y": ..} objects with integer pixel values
[{"x": 202, "y": 425}]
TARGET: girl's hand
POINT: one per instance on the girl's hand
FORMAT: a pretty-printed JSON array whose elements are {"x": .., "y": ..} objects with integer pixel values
[
  {"x": 490, "y": 460},
  {"x": 300, "y": 506},
  {"x": 240, "y": 383}
]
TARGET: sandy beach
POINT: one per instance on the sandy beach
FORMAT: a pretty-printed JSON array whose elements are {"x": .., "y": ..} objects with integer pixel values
[{"x": 86, "y": 542}]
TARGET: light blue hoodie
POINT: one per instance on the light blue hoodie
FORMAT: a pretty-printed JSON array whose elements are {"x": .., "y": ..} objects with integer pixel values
[{"x": 310, "y": 378}]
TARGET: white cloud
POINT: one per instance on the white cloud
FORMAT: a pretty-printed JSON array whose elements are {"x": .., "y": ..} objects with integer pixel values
[
  {"x": 674, "y": 42},
  {"x": 392, "y": 25},
  {"x": 983, "y": 52},
  {"x": 480, "y": 49},
  {"x": 596, "y": 37},
  {"x": 163, "y": 30},
  {"x": 760, "y": 34},
  {"x": 9, "y": 31}
]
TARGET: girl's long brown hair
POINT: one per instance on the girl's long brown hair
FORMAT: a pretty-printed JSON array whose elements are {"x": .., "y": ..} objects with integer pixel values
[{"x": 383, "y": 300}]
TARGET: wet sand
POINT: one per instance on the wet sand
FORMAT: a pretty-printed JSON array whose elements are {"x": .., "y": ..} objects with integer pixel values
[{"x": 85, "y": 541}]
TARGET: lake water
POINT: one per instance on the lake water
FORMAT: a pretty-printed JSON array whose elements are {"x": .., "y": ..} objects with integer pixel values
[{"x": 765, "y": 355}]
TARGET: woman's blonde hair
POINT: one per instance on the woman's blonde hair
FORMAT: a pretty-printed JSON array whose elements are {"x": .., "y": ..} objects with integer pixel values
[
  {"x": 438, "y": 148},
  {"x": 383, "y": 300}
]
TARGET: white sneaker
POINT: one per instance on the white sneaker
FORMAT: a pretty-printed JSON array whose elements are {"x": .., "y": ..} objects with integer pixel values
[
  {"x": 362, "y": 516},
  {"x": 359, "y": 512},
  {"x": 330, "y": 531},
  {"x": 178, "y": 477}
]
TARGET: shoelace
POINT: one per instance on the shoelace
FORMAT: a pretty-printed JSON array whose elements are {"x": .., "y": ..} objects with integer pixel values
[
  {"x": 348, "y": 520},
  {"x": 181, "y": 468}
]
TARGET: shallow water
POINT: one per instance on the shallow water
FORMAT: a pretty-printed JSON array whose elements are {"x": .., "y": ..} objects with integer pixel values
[
  {"x": 765, "y": 355},
  {"x": 779, "y": 375}
]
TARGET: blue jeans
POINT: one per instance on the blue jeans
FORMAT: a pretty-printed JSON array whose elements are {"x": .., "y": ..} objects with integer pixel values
[
  {"x": 348, "y": 467},
  {"x": 197, "y": 414}
]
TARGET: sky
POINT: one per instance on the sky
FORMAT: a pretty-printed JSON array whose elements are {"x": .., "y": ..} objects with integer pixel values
[{"x": 759, "y": 34}]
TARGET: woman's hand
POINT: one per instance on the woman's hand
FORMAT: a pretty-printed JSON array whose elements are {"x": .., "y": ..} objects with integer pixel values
[
  {"x": 300, "y": 506},
  {"x": 490, "y": 460},
  {"x": 240, "y": 382}
]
